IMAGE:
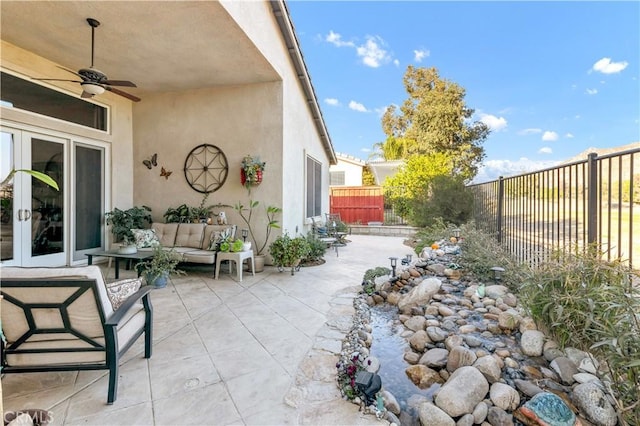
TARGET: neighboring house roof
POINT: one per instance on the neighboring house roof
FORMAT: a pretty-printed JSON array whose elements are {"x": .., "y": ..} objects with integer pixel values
[
  {"x": 350, "y": 159},
  {"x": 383, "y": 169}
]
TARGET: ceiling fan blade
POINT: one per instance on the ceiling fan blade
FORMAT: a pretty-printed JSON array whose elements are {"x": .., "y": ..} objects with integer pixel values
[
  {"x": 123, "y": 94},
  {"x": 119, "y": 83},
  {"x": 55, "y": 79},
  {"x": 72, "y": 72},
  {"x": 86, "y": 95}
]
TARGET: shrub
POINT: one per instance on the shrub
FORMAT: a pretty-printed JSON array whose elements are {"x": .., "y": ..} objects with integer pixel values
[
  {"x": 317, "y": 248},
  {"x": 584, "y": 301},
  {"x": 444, "y": 197}
]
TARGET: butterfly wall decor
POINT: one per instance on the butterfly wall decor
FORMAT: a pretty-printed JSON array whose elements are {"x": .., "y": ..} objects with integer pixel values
[
  {"x": 151, "y": 162},
  {"x": 165, "y": 173}
]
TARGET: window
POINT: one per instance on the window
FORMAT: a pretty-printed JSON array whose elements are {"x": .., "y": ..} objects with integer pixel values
[
  {"x": 314, "y": 187},
  {"x": 337, "y": 178},
  {"x": 28, "y": 96}
]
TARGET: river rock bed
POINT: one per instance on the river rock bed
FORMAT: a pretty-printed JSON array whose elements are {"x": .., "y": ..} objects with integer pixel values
[{"x": 470, "y": 345}]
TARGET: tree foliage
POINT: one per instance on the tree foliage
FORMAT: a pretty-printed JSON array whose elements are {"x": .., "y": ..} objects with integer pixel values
[{"x": 434, "y": 119}]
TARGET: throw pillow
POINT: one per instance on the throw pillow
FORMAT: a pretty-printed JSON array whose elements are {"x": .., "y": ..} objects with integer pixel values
[
  {"x": 119, "y": 291},
  {"x": 145, "y": 238}
]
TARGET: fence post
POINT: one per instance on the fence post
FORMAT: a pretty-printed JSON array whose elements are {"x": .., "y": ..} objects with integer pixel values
[
  {"x": 592, "y": 204},
  {"x": 500, "y": 207}
]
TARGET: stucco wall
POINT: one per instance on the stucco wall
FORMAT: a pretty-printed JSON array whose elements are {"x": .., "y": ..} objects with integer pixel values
[
  {"x": 300, "y": 135},
  {"x": 352, "y": 172},
  {"x": 239, "y": 120}
]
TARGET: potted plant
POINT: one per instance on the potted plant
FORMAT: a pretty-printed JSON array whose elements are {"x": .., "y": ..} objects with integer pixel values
[
  {"x": 287, "y": 252},
  {"x": 246, "y": 213},
  {"x": 123, "y": 221},
  {"x": 156, "y": 270},
  {"x": 251, "y": 171}
]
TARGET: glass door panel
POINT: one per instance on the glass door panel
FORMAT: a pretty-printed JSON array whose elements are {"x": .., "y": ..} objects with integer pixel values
[{"x": 7, "y": 163}]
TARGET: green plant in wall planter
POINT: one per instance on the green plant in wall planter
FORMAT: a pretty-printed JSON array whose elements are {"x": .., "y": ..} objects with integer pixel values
[
  {"x": 287, "y": 252},
  {"x": 157, "y": 269}
]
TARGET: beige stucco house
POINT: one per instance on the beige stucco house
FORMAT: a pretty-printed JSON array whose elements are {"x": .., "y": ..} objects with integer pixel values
[
  {"x": 347, "y": 171},
  {"x": 223, "y": 73}
]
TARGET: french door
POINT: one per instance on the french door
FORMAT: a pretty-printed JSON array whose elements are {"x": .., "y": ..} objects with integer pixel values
[{"x": 42, "y": 226}]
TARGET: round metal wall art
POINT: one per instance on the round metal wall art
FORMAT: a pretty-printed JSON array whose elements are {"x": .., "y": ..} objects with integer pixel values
[{"x": 206, "y": 168}]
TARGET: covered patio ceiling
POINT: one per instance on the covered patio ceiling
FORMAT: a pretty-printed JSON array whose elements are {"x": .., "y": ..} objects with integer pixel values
[{"x": 161, "y": 46}]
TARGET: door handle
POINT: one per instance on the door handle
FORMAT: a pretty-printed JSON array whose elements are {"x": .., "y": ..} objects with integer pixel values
[
  {"x": 27, "y": 215},
  {"x": 19, "y": 215}
]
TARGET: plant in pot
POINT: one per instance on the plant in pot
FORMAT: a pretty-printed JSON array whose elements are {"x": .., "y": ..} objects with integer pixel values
[
  {"x": 123, "y": 221},
  {"x": 247, "y": 215},
  {"x": 156, "y": 270},
  {"x": 287, "y": 252},
  {"x": 251, "y": 171}
]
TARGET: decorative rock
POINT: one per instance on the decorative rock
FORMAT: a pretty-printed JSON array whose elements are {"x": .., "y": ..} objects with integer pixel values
[
  {"x": 453, "y": 341},
  {"x": 466, "y": 420},
  {"x": 585, "y": 378},
  {"x": 390, "y": 402},
  {"x": 527, "y": 323},
  {"x": 431, "y": 415},
  {"x": 423, "y": 376},
  {"x": 472, "y": 341},
  {"x": 416, "y": 323},
  {"x": 466, "y": 329},
  {"x": 372, "y": 364},
  {"x": 546, "y": 408},
  {"x": 419, "y": 340},
  {"x": 532, "y": 342},
  {"x": 565, "y": 368},
  {"x": 499, "y": 417},
  {"x": 459, "y": 357},
  {"x": 462, "y": 392},
  {"x": 526, "y": 387},
  {"x": 509, "y": 320},
  {"x": 411, "y": 357},
  {"x": 496, "y": 291},
  {"x": 592, "y": 401},
  {"x": 489, "y": 368},
  {"x": 435, "y": 358},
  {"x": 510, "y": 300},
  {"x": 436, "y": 334},
  {"x": 421, "y": 294},
  {"x": 436, "y": 268},
  {"x": 393, "y": 298},
  {"x": 588, "y": 365},
  {"x": 445, "y": 311},
  {"x": 480, "y": 412},
  {"x": 504, "y": 396},
  {"x": 575, "y": 355}
]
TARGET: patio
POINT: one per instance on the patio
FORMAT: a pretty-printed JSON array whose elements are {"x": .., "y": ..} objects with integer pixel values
[{"x": 260, "y": 352}]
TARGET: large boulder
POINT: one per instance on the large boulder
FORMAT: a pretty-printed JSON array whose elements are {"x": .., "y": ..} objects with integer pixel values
[
  {"x": 592, "y": 401},
  {"x": 462, "y": 392},
  {"x": 420, "y": 295},
  {"x": 504, "y": 396},
  {"x": 423, "y": 376},
  {"x": 460, "y": 356},
  {"x": 532, "y": 342},
  {"x": 435, "y": 358},
  {"x": 430, "y": 415},
  {"x": 489, "y": 368}
]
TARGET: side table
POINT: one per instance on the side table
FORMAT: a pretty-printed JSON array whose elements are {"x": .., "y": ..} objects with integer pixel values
[{"x": 238, "y": 257}]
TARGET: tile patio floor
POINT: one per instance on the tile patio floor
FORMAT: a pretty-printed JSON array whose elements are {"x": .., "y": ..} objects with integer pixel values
[{"x": 260, "y": 352}]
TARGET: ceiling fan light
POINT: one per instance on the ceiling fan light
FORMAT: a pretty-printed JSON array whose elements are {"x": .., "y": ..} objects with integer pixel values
[{"x": 94, "y": 89}]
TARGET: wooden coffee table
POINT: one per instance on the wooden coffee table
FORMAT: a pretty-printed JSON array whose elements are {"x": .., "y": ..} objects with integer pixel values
[{"x": 141, "y": 255}]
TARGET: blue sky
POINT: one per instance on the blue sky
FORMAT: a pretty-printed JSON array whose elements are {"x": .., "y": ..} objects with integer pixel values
[{"x": 551, "y": 79}]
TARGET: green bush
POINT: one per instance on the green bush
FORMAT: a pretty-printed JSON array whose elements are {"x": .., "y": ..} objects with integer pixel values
[
  {"x": 288, "y": 252},
  {"x": 317, "y": 248},
  {"x": 444, "y": 197},
  {"x": 586, "y": 302}
]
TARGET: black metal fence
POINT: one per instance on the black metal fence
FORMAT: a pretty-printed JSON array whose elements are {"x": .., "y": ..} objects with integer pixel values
[{"x": 596, "y": 200}]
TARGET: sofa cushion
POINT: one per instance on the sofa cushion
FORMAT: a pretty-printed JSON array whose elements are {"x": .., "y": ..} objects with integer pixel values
[
  {"x": 166, "y": 233},
  {"x": 190, "y": 235},
  {"x": 200, "y": 256},
  {"x": 145, "y": 238}
]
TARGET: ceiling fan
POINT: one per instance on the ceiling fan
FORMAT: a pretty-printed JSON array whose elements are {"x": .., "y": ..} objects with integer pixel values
[{"x": 94, "y": 81}]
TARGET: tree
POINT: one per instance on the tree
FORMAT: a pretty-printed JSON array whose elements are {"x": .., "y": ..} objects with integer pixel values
[{"x": 434, "y": 119}]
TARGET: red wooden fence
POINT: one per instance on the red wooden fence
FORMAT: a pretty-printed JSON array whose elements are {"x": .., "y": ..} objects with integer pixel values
[{"x": 357, "y": 204}]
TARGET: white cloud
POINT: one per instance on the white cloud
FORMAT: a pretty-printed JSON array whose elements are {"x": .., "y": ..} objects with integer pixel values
[
  {"x": 493, "y": 169},
  {"x": 357, "y": 106},
  {"x": 577, "y": 117},
  {"x": 396, "y": 62},
  {"x": 380, "y": 111},
  {"x": 336, "y": 40},
  {"x": 365, "y": 149},
  {"x": 549, "y": 136},
  {"x": 568, "y": 136},
  {"x": 419, "y": 55},
  {"x": 605, "y": 66},
  {"x": 545, "y": 150},
  {"x": 332, "y": 101},
  {"x": 494, "y": 123},
  {"x": 592, "y": 91},
  {"x": 530, "y": 131},
  {"x": 372, "y": 53}
]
